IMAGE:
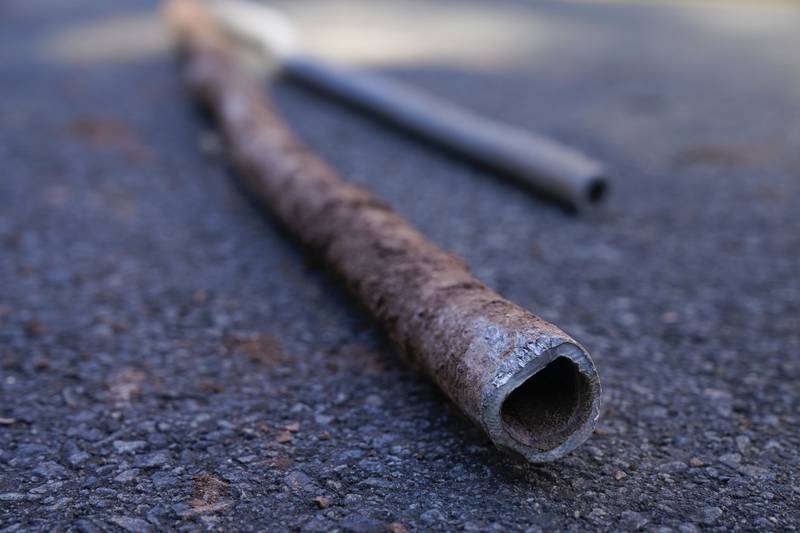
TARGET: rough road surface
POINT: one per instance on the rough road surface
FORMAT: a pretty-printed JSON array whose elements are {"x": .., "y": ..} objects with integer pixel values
[{"x": 170, "y": 360}]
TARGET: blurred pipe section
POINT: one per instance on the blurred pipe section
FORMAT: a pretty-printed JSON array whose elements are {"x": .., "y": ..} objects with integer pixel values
[{"x": 536, "y": 162}]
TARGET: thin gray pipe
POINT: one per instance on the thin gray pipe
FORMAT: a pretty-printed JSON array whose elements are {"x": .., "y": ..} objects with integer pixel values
[{"x": 532, "y": 160}]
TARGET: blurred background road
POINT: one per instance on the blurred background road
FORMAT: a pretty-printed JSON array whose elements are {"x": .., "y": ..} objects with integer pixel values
[{"x": 171, "y": 359}]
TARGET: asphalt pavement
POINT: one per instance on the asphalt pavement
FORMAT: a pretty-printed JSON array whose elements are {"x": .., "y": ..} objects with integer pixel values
[{"x": 171, "y": 360}]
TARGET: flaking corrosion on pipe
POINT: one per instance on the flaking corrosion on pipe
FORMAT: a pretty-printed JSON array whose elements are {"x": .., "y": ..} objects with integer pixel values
[{"x": 532, "y": 387}]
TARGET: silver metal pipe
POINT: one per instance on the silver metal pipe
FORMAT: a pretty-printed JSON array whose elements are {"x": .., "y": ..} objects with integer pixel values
[{"x": 532, "y": 160}]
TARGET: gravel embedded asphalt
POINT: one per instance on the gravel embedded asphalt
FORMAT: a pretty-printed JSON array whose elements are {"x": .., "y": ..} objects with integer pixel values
[{"x": 171, "y": 360}]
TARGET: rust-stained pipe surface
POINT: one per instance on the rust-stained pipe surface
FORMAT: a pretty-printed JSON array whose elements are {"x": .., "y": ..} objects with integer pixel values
[{"x": 529, "y": 385}]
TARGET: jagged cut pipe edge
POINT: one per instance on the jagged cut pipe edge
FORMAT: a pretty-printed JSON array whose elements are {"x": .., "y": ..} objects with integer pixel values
[{"x": 500, "y": 390}]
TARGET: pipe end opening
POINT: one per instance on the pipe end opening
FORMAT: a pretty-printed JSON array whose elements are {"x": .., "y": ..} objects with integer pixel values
[
  {"x": 597, "y": 190},
  {"x": 549, "y": 406}
]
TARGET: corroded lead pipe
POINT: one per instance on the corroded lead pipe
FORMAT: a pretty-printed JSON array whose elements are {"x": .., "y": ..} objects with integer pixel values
[
  {"x": 533, "y": 160},
  {"x": 527, "y": 383}
]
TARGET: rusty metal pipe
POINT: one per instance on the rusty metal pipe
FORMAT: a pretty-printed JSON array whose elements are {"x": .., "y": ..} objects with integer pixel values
[
  {"x": 529, "y": 385},
  {"x": 534, "y": 161}
]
